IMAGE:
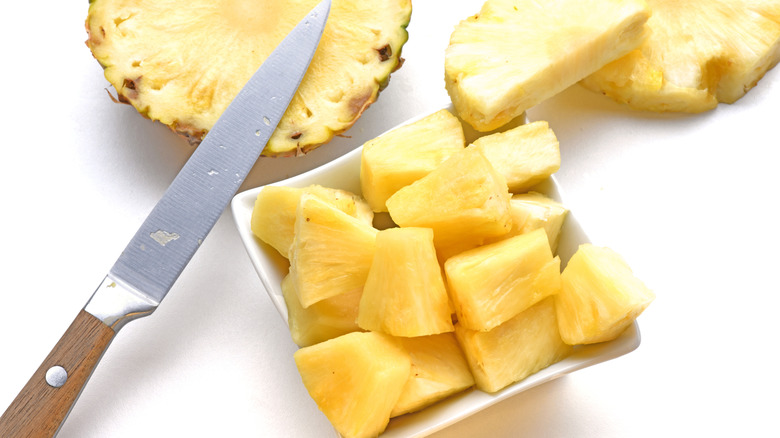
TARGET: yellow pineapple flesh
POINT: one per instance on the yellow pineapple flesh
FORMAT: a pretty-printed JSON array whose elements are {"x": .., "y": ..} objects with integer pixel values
[
  {"x": 514, "y": 350},
  {"x": 698, "y": 53},
  {"x": 533, "y": 210},
  {"x": 525, "y": 155},
  {"x": 439, "y": 370},
  {"x": 514, "y": 54},
  {"x": 331, "y": 252},
  {"x": 273, "y": 215},
  {"x": 600, "y": 296},
  {"x": 323, "y": 320},
  {"x": 465, "y": 200},
  {"x": 493, "y": 283},
  {"x": 406, "y": 154},
  {"x": 404, "y": 294},
  {"x": 182, "y": 62},
  {"x": 356, "y": 380}
]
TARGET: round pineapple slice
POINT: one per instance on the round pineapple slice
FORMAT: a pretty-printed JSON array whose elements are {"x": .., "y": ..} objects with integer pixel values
[
  {"x": 182, "y": 62},
  {"x": 699, "y": 53}
]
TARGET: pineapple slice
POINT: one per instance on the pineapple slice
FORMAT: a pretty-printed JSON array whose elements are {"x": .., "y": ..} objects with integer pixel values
[
  {"x": 600, "y": 296},
  {"x": 404, "y": 294},
  {"x": 699, "y": 53},
  {"x": 514, "y": 350},
  {"x": 356, "y": 380},
  {"x": 406, "y": 154},
  {"x": 465, "y": 200},
  {"x": 525, "y": 155},
  {"x": 273, "y": 217},
  {"x": 493, "y": 283},
  {"x": 439, "y": 370},
  {"x": 182, "y": 62},
  {"x": 323, "y": 320},
  {"x": 517, "y": 53},
  {"x": 331, "y": 252},
  {"x": 533, "y": 210}
]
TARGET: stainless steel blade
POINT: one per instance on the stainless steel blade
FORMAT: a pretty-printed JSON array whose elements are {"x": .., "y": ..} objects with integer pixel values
[{"x": 177, "y": 225}]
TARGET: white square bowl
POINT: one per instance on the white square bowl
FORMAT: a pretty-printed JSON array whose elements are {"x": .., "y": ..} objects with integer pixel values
[{"x": 344, "y": 173}]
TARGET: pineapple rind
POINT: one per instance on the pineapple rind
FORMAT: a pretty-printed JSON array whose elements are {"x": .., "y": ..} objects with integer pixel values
[
  {"x": 439, "y": 370},
  {"x": 406, "y": 154},
  {"x": 600, "y": 296},
  {"x": 492, "y": 283},
  {"x": 514, "y": 350},
  {"x": 515, "y": 54},
  {"x": 356, "y": 380},
  {"x": 331, "y": 252},
  {"x": 699, "y": 53},
  {"x": 186, "y": 82},
  {"x": 404, "y": 293}
]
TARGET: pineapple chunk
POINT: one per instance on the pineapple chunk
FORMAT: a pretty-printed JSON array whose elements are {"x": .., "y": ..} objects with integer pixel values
[
  {"x": 699, "y": 53},
  {"x": 439, "y": 370},
  {"x": 514, "y": 350},
  {"x": 517, "y": 53},
  {"x": 273, "y": 217},
  {"x": 404, "y": 294},
  {"x": 533, "y": 210},
  {"x": 406, "y": 154},
  {"x": 493, "y": 283},
  {"x": 600, "y": 296},
  {"x": 355, "y": 379},
  {"x": 323, "y": 320},
  {"x": 331, "y": 252},
  {"x": 465, "y": 200},
  {"x": 525, "y": 155}
]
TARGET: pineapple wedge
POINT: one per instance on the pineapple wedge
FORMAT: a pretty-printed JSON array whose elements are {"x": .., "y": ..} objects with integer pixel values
[
  {"x": 493, "y": 283},
  {"x": 404, "y": 293},
  {"x": 525, "y": 155},
  {"x": 517, "y": 53},
  {"x": 699, "y": 53},
  {"x": 406, "y": 154},
  {"x": 439, "y": 370},
  {"x": 323, "y": 320},
  {"x": 331, "y": 252},
  {"x": 465, "y": 200},
  {"x": 600, "y": 296},
  {"x": 356, "y": 380},
  {"x": 182, "y": 62},
  {"x": 273, "y": 216},
  {"x": 514, "y": 350},
  {"x": 533, "y": 210}
]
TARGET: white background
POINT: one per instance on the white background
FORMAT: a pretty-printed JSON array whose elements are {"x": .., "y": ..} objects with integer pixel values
[{"x": 690, "y": 202}]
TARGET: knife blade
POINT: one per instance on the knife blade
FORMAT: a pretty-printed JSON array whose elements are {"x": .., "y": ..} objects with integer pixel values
[{"x": 168, "y": 238}]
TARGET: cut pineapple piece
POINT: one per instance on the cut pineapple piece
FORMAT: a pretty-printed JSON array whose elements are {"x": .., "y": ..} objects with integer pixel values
[
  {"x": 699, "y": 53},
  {"x": 406, "y": 154},
  {"x": 331, "y": 252},
  {"x": 273, "y": 216},
  {"x": 404, "y": 294},
  {"x": 517, "y": 53},
  {"x": 355, "y": 379},
  {"x": 514, "y": 350},
  {"x": 182, "y": 62},
  {"x": 439, "y": 370},
  {"x": 600, "y": 296},
  {"x": 464, "y": 201},
  {"x": 525, "y": 155},
  {"x": 493, "y": 283},
  {"x": 533, "y": 210},
  {"x": 323, "y": 320}
]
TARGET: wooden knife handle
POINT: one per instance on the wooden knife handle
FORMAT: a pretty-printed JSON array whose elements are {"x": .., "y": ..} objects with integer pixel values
[{"x": 40, "y": 408}]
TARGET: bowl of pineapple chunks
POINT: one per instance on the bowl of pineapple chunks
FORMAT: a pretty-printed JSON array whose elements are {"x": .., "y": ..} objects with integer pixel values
[{"x": 434, "y": 272}]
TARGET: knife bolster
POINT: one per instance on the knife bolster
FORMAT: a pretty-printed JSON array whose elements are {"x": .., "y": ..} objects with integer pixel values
[{"x": 115, "y": 303}]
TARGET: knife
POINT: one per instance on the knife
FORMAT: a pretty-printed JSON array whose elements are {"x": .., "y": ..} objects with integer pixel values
[{"x": 169, "y": 237}]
